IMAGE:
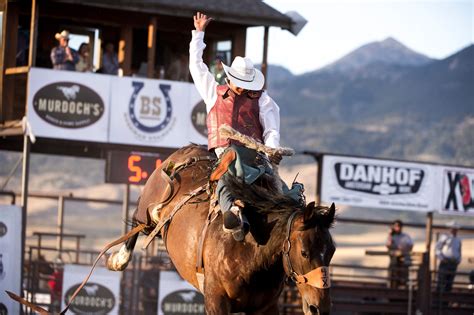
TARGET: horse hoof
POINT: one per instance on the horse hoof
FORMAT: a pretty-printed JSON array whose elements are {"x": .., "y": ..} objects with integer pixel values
[{"x": 113, "y": 264}]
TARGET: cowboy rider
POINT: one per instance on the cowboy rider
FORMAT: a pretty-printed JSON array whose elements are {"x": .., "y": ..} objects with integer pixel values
[{"x": 240, "y": 103}]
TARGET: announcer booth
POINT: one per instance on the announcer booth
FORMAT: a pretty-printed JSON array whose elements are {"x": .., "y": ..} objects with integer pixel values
[{"x": 132, "y": 120}]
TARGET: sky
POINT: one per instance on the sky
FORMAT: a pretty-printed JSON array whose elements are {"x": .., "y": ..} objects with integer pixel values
[{"x": 436, "y": 28}]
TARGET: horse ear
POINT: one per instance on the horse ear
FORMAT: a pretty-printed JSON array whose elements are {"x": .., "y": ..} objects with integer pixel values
[
  {"x": 309, "y": 211},
  {"x": 328, "y": 216}
]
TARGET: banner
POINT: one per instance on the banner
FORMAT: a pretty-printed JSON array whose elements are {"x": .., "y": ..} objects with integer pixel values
[
  {"x": 101, "y": 295},
  {"x": 458, "y": 191},
  {"x": 382, "y": 184},
  {"x": 177, "y": 297},
  {"x": 68, "y": 105},
  {"x": 10, "y": 257},
  {"x": 155, "y": 113}
]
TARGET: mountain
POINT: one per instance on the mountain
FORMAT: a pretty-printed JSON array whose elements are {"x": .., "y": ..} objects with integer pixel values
[
  {"x": 389, "y": 52},
  {"x": 404, "y": 110},
  {"x": 276, "y": 73}
]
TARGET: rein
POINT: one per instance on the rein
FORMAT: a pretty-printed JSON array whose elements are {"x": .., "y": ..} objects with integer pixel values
[
  {"x": 318, "y": 277},
  {"x": 169, "y": 175}
]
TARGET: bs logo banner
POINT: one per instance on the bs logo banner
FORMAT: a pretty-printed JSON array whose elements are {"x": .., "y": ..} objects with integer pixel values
[
  {"x": 458, "y": 191},
  {"x": 150, "y": 112}
]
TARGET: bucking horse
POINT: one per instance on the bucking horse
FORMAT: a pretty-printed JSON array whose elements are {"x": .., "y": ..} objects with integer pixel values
[{"x": 286, "y": 240}]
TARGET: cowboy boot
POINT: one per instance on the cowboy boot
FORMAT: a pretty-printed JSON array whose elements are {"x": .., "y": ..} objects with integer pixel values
[{"x": 235, "y": 222}]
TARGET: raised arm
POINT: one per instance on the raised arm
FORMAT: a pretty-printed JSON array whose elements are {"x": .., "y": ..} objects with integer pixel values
[{"x": 203, "y": 79}]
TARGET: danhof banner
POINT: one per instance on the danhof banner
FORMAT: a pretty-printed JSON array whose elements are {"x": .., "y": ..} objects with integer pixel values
[
  {"x": 68, "y": 105},
  {"x": 381, "y": 184},
  {"x": 155, "y": 113},
  {"x": 101, "y": 294},
  {"x": 177, "y": 297},
  {"x": 10, "y": 257},
  {"x": 458, "y": 191}
]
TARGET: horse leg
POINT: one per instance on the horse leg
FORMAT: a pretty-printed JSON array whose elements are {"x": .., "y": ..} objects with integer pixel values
[
  {"x": 217, "y": 306},
  {"x": 118, "y": 261},
  {"x": 215, "y": 300}
]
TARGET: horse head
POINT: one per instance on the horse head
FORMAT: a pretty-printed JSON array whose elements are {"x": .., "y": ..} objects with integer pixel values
[{"x": 307, "y": 252}]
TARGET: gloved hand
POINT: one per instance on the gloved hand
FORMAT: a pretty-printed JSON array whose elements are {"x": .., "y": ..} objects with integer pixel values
[{"x": 275, "y": 158}]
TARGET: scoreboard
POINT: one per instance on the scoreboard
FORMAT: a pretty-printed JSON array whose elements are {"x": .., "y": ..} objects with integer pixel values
[{"x": 123, "y": 167}]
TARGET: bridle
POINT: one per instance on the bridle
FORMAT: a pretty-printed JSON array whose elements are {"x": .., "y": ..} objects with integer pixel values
[{"x": 318, "y": 277}]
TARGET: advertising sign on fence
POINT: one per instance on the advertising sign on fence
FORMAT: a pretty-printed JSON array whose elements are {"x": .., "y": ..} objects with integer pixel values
[
  {"x": 383, "y": 184},
  {"x": 101, "y": 294},
  {"x": 458, "y": 191},
  {"x": 177, "y": 297},
  {"x": 10, "y": 256},
  {"x": 68, "y": 105}
]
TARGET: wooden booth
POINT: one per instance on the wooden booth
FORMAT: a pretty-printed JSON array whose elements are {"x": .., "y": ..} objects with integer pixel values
[{"x": 147, "y": 35}]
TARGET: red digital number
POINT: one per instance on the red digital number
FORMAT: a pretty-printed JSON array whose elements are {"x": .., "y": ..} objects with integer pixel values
[{"x": 137, "y": 177}]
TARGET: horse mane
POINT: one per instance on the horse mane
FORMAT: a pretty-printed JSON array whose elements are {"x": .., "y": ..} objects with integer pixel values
[{"x": 263, "y": 196}]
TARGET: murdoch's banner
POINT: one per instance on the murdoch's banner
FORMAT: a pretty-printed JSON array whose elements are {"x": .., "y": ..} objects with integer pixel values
[
  {"x": 382, "y": 184},
  {"x": 68, "y": 105},
  {"x": 458, "y": 191},
  {"x": 177, "y": 297},
  {"x": 101, "y": 294},
  {"x": 10, "y": 256},
  {"x": 123, "y": 110}
]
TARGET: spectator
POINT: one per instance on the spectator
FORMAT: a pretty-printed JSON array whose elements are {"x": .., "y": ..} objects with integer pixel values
[
  {"x": 110, "y": 64},
  {"x": 448, "y": 251},
  {"x": 179, "y": 69},
  {"x": 55, "y": 283},
  {"x": 399, "y": 245},
  {"x": 84, "y": 64},
  {"x": 64, "y": 57},
  {"x": 217, "y": 70}
]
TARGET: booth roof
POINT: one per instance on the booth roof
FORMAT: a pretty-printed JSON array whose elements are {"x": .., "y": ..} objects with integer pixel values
[{"x": 243, "y": 12}]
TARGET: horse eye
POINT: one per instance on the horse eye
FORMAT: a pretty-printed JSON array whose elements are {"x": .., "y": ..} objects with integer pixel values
[{"x": 304, "y": 254}]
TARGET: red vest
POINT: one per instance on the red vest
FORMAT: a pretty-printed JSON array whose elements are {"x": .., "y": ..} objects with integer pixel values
[{"x": 241, "y": 112}]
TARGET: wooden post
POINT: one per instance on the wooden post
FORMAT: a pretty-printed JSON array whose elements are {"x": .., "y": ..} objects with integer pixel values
[
  {"x": 10, "y": 34},
  {"x": 319, "y": 178},
  {"x": 429, "y": 231},
  {"x": 60, "y": 225},
  {"x": 425, "y": 283},
  {"x": 151, "y": 46},
  {"x": 238, "y": 43},
  {"x": 8, "y": 57},
  {"x": 125, "y": 49},
  {"x": 265, "y": 54},
  {"x": 3, "y": 8},
  {"x": 125, "y": 206},
  {"x": 33, "y": 33},
  {"x": 24, "y": 200}
]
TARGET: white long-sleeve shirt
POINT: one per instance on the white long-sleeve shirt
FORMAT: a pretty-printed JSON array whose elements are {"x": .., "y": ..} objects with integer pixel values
[
  {"x": 269, "y": 112},
  {"x": 448, "y": 247}
]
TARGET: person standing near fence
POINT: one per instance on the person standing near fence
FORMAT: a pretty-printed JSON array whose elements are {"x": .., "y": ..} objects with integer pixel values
[
  {"x": 448, "y": 252},
  {"x": 399, "y": 245}
]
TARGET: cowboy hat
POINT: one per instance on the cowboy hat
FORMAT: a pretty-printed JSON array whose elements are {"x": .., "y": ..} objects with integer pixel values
[
  {"x": 63, "y": 34},
  {"x": 243, "y": 74},
  {"x": 453, "y": 225}
]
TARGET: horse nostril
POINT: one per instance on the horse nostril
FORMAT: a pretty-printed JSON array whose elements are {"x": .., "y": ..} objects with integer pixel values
[{"x": 314, "y": 309}]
